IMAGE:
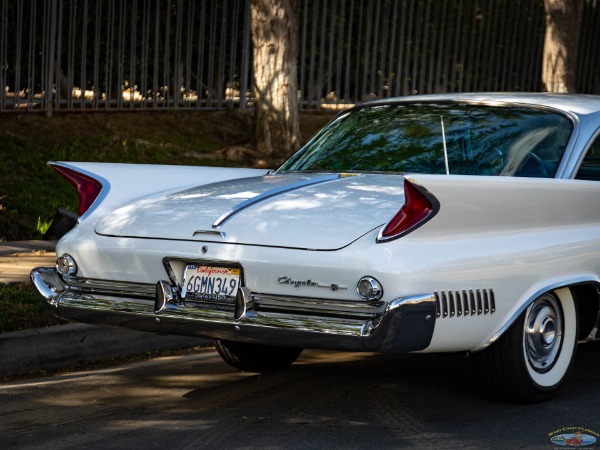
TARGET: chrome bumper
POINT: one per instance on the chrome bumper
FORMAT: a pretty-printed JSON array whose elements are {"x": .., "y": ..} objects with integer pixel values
[{"x": 402, "y": 325}]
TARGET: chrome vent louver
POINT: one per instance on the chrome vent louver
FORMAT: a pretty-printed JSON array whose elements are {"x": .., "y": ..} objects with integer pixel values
[{"x": 474, "y": 302}]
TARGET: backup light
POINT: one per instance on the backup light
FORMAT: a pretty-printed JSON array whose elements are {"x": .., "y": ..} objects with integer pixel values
[
  {"x": 368, "y": 288},
  {"x": 65, "y": 265},
  {"x": 419, "y": 207}
]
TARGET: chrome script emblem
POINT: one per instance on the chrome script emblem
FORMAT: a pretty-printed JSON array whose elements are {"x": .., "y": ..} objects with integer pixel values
[{"x": 308, "y": 283}]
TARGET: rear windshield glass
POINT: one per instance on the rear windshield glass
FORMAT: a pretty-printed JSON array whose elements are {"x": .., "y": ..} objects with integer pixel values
[{"x": 440, "y": 138}]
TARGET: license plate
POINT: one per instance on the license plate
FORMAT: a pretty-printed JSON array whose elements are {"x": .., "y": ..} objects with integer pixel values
[{"x": 210, "y": 282}]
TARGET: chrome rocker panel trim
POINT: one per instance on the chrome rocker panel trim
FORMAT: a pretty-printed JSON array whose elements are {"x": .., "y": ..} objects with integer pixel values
[{"x": 402, "y": 325}]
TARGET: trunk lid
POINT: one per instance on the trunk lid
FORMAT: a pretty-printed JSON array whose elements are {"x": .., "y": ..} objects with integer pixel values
[{"x": 308, "y": 211}]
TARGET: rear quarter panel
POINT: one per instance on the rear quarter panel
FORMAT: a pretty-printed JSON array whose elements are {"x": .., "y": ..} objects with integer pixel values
[{"x": 517, "y": 236}]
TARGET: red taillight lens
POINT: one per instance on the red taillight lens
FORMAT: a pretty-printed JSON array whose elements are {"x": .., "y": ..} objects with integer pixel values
[
  {"x": 418, "y": 208},
  {"x": 87, "y": 187}
]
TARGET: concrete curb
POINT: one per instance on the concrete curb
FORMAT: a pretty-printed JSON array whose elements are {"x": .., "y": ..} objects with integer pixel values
[{"x": 35, "y": 350}]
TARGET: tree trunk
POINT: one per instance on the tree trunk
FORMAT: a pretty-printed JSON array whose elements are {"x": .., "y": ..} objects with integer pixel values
[
  {"x": 561, "y": 43},
  {"x": 275, "y": 39}
]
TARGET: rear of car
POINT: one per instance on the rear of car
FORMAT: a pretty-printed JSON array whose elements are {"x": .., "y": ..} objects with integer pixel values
[{"x": 435, "y": 224}]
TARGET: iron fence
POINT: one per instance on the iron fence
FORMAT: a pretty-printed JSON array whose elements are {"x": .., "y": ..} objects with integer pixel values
[{"x": 65, "y": 55}]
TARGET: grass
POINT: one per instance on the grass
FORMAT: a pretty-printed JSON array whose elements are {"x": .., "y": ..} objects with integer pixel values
[
  {"x": 21, "y": 308},
  {"x": 30, "y": 192}
]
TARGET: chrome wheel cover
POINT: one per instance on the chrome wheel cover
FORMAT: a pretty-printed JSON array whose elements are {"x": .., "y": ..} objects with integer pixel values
[{"x": 543, "y": 333}]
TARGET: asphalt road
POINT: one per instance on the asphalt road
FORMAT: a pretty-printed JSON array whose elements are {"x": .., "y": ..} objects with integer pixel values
[{"x": 326, "y": 400}]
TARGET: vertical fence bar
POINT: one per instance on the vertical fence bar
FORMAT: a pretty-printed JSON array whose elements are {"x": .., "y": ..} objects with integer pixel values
[
  {"x": 381, "y": 35},
  {"x": 222, "y": 46},
  {"x": 211, "y": 60},
  {"x": 177, "y": 69},
  {"x": 156, "y": 94},
  {"x": 131, "y": 77},
  {"x": 71, "y": 55},
  {"x": 110, "y": 26},
  {"x": 323, "y": 40},
  {"x": 166, "y": 82},
  {"x": 232, "y": 86},
  {"x": 121, "y": 87},
  {"x": 367, "y": 52},
  {"x": 200, "y": 66},
  {"x": 95, "y": 88},
  {"x": 313, "y": 46},
  {"x": 425, "y": 48},
  {"x": 83, "y": 80},
  {"x": 50, "y": 51},
  {"x": 31, "y": 58},
  {"x": 18, "y": 59},
  {"x": 244, "y": 84},
  {"x": 145, "y": 48},
  {"x": 349, "y": 53},
  {"x": 188, "y": 54},
  {"x": 339, "y": 52},
  {"x": 408, "y": 52},
  {"x": 437, "y": 54},
  {"x": 302, "y": 60},
  {"x": 3, "y": 55},
  {"x": 357, "y": 84},
  {"x": 58, "y": 71},
  {"x": 330, "y": 54},
  {"x": 42, "y": 43},
  {"x": 535, "y": 71},
  {"x": 401, "y": 48}
]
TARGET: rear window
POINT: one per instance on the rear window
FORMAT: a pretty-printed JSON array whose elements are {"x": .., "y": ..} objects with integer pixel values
[{"x": 461, "y": 139}]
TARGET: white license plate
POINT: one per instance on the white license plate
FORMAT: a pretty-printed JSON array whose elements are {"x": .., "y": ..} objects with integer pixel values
[{"x": 210, "y": 282}]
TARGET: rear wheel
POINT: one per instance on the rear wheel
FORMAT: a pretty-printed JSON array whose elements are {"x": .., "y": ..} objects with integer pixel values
[
  {"x": 256, "y": 357},
  {"x": 533, "y": 358}
]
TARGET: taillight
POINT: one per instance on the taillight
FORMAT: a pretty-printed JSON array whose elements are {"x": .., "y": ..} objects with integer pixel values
[
  {"x": 419, "y": 207},
  {"x": 87, "y": 187}
]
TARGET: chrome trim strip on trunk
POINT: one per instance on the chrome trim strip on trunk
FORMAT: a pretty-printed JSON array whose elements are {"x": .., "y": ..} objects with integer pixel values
[
  {"x": 272, "y": 193},
  {"x": 404, "y": 324}
]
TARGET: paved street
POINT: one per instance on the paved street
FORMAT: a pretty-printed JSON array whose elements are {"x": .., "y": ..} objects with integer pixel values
[{"x": 326, "y": 400}]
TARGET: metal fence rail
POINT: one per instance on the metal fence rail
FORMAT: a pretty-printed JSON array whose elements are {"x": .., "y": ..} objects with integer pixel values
[{"x": 65, "y": 55}]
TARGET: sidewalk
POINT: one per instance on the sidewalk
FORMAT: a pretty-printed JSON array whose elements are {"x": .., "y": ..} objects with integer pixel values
[
  {"x": 18, "y": 258},
  {"x": 61, "y": 346}
]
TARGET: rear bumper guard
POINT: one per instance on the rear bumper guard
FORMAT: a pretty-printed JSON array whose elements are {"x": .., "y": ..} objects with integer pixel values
[{"x": 402, "y": 325}]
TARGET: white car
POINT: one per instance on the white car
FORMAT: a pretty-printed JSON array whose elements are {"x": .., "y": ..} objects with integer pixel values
[{"x": 448, "y": 223}]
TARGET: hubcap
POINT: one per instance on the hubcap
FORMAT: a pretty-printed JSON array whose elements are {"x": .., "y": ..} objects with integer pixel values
[{"x": 543, "y": 333}]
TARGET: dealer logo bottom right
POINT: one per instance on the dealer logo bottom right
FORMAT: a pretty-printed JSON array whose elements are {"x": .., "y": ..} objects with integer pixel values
[{"x": 574, "y": 437}]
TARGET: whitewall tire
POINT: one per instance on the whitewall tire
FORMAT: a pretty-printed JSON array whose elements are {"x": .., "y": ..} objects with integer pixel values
[{"x": 532, "y": 359}]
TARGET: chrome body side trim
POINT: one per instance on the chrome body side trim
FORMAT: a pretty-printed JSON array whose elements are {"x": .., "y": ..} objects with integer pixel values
[
  {"x": 402, "y": 325},
  {"x": 272, "y": 193}
]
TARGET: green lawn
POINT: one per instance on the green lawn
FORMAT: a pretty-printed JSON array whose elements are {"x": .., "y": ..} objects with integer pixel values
[{"x": 21, "y": 308}]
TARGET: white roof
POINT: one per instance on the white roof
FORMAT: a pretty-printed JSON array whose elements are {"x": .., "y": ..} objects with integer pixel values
[{"x": 579, "y": 104}]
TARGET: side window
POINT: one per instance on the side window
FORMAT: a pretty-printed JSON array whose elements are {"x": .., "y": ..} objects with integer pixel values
[{"x": 590, "y": 166}]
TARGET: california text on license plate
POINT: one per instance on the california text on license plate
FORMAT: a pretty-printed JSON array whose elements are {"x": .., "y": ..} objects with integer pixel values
[{"x": 210, "y": 282}]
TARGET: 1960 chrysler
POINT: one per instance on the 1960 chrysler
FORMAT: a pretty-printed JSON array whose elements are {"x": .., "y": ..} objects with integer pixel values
[{"x": 450, "y": 223}]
